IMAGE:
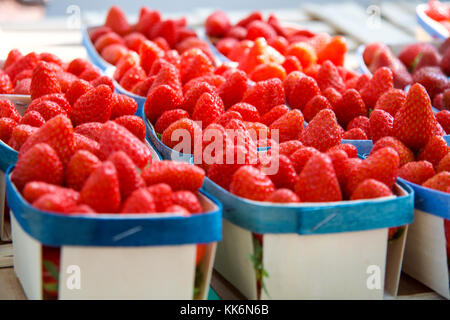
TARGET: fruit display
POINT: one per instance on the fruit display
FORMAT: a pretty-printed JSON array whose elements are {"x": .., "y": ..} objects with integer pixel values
[{"x": 439, "y": 11}]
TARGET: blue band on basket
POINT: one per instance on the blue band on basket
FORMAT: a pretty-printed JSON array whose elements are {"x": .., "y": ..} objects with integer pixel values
[
  {"x": 113, "y": 229},
  {"x": 363, "y": 146},
  {"x": 430, "y": 201},
  {"x": 8, "y": 156},
  {"x": 346, "y": 216}
]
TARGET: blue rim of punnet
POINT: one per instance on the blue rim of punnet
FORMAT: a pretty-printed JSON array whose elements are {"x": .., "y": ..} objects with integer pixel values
[
  {"x": 431, "y": 201},
  {"x": 92, "y": 53},
  {"x": 428, "y": 24},
  {"x": 315, "y": 218},
  {"x": 114, "y": 229},
  {"x": 8, "y": 156}
]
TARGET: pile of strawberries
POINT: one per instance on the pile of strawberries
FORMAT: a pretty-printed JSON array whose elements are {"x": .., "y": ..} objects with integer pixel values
[
  {"x": 263, "y": 47},
  {"x": 439, "y": 11},
  {"x": 416, "y": 63}
]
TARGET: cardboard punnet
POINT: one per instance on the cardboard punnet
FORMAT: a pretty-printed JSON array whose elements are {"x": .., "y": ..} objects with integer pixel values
[
  {"x": 143, "y": 256},
  {"x": 8, "y": 156},
  {"x": 314, "y": 250},
  {"x": 425, "y": 254}
]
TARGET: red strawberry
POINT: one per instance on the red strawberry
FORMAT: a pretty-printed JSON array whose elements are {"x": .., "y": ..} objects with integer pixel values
[
  {"x": 444, "y": 164},
  {"x": 13, "y": 56},
  {"x": 234, "y": 88},
  {"x": 381, "y": 82},
  {"x": 128, "y": 61},
  {"x": 169, "y": 117},
  {"x": 38, "y": 163},
  {"x": 443, "y": 117},
  {"x": 194, "y": 92},
  {"x": 217, "y": 24},
  {"x": 302, "y": 92},
  {"x": 35, "y": 189},
  {"x": 332, "y": 95},
  {"x": 78, "y": 65},
  {"x": 289, "y": 126},
  {"x": 103, "y": 80},
  {"x": 161, "y": 99},
  {"x": 44, "y": 80},
  {"x": 328, "y": 76},
  {"x": 404, "y": 153},
  {"x": 134, "y": 124},
  {"x": 23, "y": 87},
  {"x": 414, "y": 122},
  {"x": 435, "y": 149},
  {"x": 256, "y": 15},
  {"x": 194, "y": 63},
  {"x": 317, "y": 181},
  {"x": 47, "y": 109},
  {"x": 291, "y": 64},
  {"x": 274, "y": 114},
  {"x": 20, "y": 134},
  {"x": 267, "y": 71},
  {"x": 381, "y": 124},
  {"x": 183, "y": 126},
  {"x": 56, "y": 202},
  {"x": 178, "y": 175},
  {"x": 27, "y": 62},
  {"x": 314, "y": 105},
  {"x": 82, "y": 142},
  {"x": 78, "y": 88},
  {"x": 142, "y": 88},
  {"x": 131, "y": 77},
  {"x": 6, "y": 128},
  {"x": 79, "y": 168},
  {"x": 117, "y": 21},
  {"x": 286, "y": 175},
  {"x": 291, "y": 80},
  {"x": 178, "y": 210},
  {"x": 101, "y": 190},
  {"x": 149, "y": 53},
  {"x": 92, "y": 130},
  {"x": 351, "y": 105},
  {"x": 391, "y": 101},
  {"x": 8, "y": 110},
  {"x": 166, "y": 29},
  {"x": 408, "y": 55},
  {"x": 370, "y": 189},
  {"x": 381, "y": 165},
  {"x": 134, "y": 40},
  {"x": 122, "y": 105},
  {"x": 445, "y": 62},
  {"x": 247, "y": 111},
  {"x": 265, "y": 94},
  {"x": 114, "y": 137},
  {"x": 250, "y": 183},
  {"x": 283, "y": 196},
  {"x": 162, "y": 195},
  {"x": 226, "y": 117},
  {"x": 147, "y": 20},
  {"x": 140, "y": 201},
  {"x": 58, "y": 133},
  {"x": 354, "y": 134},
  {"x": 322, "y": 132},
  {"x": 208, "y": 108},
  {"x": 226, "y": 45},
  {"x": 65, "y": 79},
  {"x": 93, "y": 106},
  {"x": 287, "y": 148},
  {"x": 339, "y": 158},
  {"x": 432, "y": 79},
  {"x": 349, "y": 149},
  {"x": 440, "y": 182},
  {"x": 301, "y": 156},
  {"x": 257, "y": 29},
  {"x": 212, "y": 79},
  {"x": 129, "y": 178},
  {"x": 58, "y": 98},
  {"x": 187, "y": 200},
  {"x": 90, "y": 74},
  {"x": 361, "y": 122},
  {"x": 417, "y": 171},
  {"x": 6, "y": 86}
]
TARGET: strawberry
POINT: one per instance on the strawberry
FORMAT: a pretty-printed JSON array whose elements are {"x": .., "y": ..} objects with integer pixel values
[
  {"x": 391, "y": 101},
  {"x": 92, "y": 130},
  {"x": 250, "y": 183},
  {"x": 267, "y": 71},
  {"x": 162, "y": 195},
  {"x": 281, "y": 44},
  {"x": 355, "y": 134},
  {"x": 142, "y": 88},
  {"x": 208, "y": 108},
  {"x": 27, "y": 62},
  {"x": 361, "y": 122},
  {"x": 328, "y": 76},
  {"x": 8, "y": 110},
  {"x": 114, "y": 137},
  {"x": 440, "y": 182},
  {"x": 381, "y": 124},
  {"x": 260, "y": 29},
  {"x": 339, "y": 158},
  {"x": 134, "y": 124},
  {"x": 23, "y": 87},
  {"x": 35, "y": 189},
  {"x": 78, "y": 88},
  {"x": 194, "y": 63},
  {"x": 82, "y": 142},
  {"x": 445, "y": 63},
  {"x": 166, "y": 29},
  {"x": 147, "y": 20},
  {"x": 404, "y": 153},
  {"x": 131, "y": 77},
  {"x": 90, "y": 74},
  {"x": 103, "y": 80},
  {"x": 301, "y": 156},
  {"x": 217, "y": 24},
  {"x": 93, "y": 106},
  {"x": 247, "y": 111},
  {"x": 256, "y": 15},
  {"x": 161, "y": 99},
  {"x": 214, "y": 80},
  {"x": 58, "y": 98},
  {"x": 6, "y": 86},
  {"x": 134, "y": 40},
  {"x": 47, "y": 109},
  {"x": 140, "y": 201},
  {"x": 414, "y": 122},
  {"x": 291, "y": 80},
  {"x": 194, "y": 92},
  {"x": 428, "y": 58},
  {"x": 188, "y": 128},
  {"x": 332, "y": 95},
  {"x": 117, "y": 21},
  {"x": 178, "y": 175},
  {"x": 349, "y": 149},
  {"x": 122, "y": 105},
  {"x": 56, "y": 202},
  {"x": 317, "y": 181},
  {"x": 58, "y": 134},
  {"x": 237, "y": 32},
  {"x": 178, "y": 210},
  {"x": 101, "y": 190},
  {"x": 304, "y": 52},
  {"x": 38, "y": 163},
  {"x": 20, "y": 134},
  {"x": 287, "y": 148},
  {"x": 226, "y": 117},
  {"x": 381, "y": 165},
  {"x": 226, "y": 45},
  {"x": 444, "y": 164},
  {"x": 78, "y": 65},
  {"x": 13, "y": 56},
  {"x": 265, "y": 94},
  {"x": 381, "y": 82},
  {"x": 187, "y": 200},
  {"x": 302, "y": 92},
  {"x": 409, "y": 54},
  {"x": 6, "y": 128},
  {"x": 432, "y": 79},
  {"x": 291, "y": 64},
  {"x": 65, "y": 80},
  {"x": 435, "y": 149},
  {"x": 283, "y": 196},
  {"x": 128, "y": 61},
  {"x": 234, "y": 88},
  {"x": 443, "y": 117},
  {"x": 314, "y": 105},
  {"x": 286, "y": 175},
  {"x": 289, "y": 126},
  {"x": 370, "y": 189},
  {"x": 79, "y": 168},
  {"x": 322, "y": 132},
  {"x": 334, "y": 51},
  {"x": 129, "y": 178},
  {"x": 351, "y": 105},
  {"x": 417, "y": 171},
  {"x": 274, "y": 114},
  {"x": 149, "y": 52},
  {"x": 44, "y": 81},
  {"x": 169, "y": 117}
]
